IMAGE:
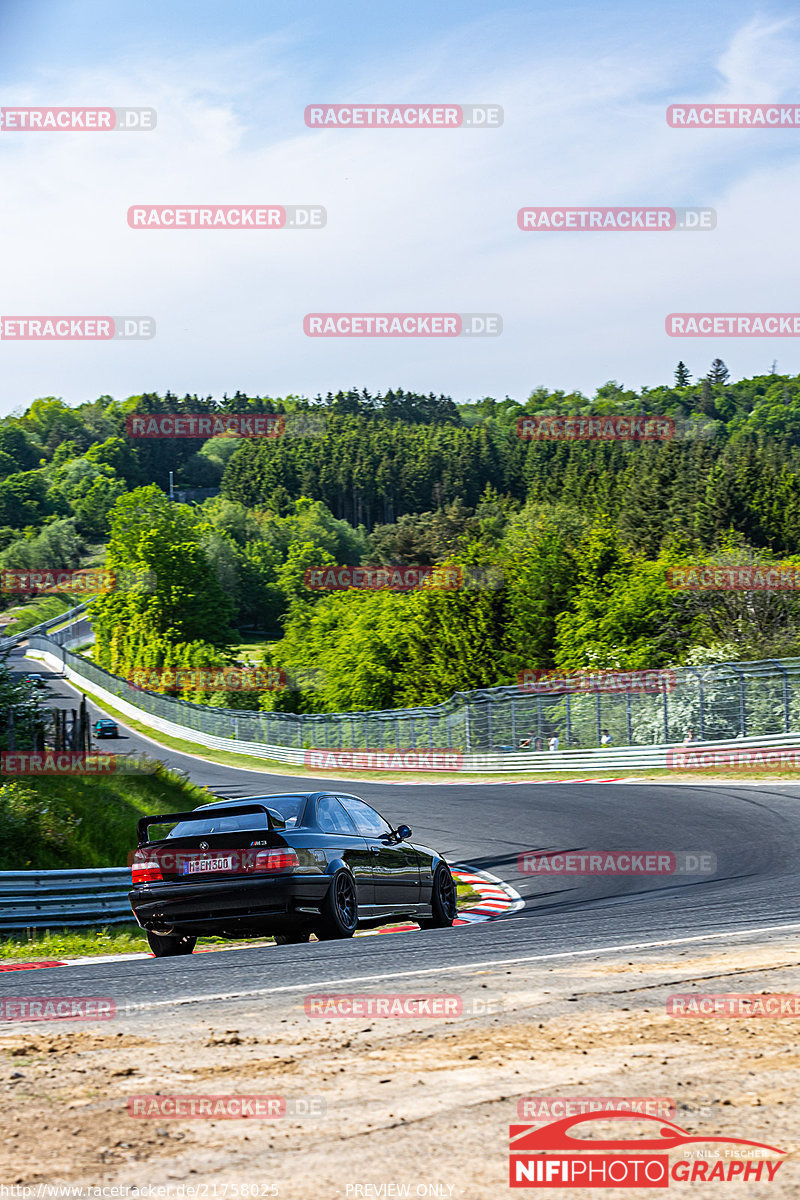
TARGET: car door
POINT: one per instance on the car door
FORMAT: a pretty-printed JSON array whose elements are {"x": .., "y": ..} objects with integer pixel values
[
  {"x": 347, "y": 843},
  {"x": 395, "y": 864}
]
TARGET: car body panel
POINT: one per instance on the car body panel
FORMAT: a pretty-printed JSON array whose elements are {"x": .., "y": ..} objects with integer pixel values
[{"x": 220, "y": 893}]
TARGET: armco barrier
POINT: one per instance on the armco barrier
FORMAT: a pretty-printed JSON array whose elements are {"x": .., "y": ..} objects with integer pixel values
[
  {"x": 619, "y": 759},
  {"x": 67, "y": 617},
  {"x": 50, "y": 899},
  {"x": 719, "y": 702}
]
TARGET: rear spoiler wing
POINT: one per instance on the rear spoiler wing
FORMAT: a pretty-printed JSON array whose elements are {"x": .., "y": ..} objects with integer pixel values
[{"x": 200, "y": 814}]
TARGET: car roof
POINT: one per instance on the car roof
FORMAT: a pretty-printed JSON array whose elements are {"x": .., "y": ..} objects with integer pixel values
[{"x": 250, "y": 799}]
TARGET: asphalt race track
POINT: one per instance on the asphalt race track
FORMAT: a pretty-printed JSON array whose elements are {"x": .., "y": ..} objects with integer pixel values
[{"x": 754, "y": 831}]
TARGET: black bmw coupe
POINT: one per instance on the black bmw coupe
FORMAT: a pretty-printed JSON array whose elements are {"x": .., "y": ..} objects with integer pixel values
[{"x": 287, "y": 866}]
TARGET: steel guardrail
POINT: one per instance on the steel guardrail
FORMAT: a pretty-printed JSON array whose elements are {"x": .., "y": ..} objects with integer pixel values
[
  {"x": 55, "y": 899},
  {"x": 616, "y": 759},
  {"x": 65, "y": 618}
]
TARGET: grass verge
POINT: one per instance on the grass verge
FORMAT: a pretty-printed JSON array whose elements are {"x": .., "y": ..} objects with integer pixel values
[{"x": 64, "y": 822}]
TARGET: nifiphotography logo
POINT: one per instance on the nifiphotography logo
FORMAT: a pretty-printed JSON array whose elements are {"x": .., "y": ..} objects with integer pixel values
[{"x": 556, "y": 1156}]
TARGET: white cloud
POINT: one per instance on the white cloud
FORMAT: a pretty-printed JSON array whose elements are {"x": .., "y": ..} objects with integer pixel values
[{"x": 422, "y": 221}]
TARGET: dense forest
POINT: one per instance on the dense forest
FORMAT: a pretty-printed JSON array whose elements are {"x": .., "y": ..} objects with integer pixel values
[{"x": 568, "y": 542}]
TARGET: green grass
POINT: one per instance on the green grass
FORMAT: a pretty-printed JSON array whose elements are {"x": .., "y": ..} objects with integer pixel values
[
  {"x": 252, "y": 647},
  {"x": 58, "y": 822},
  {"x": 27, "y": 615},
  {"x": 72, "y": 943}
]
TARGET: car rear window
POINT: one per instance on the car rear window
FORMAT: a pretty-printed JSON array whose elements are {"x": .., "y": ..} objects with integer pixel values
[{"x": 287, "y": 808}]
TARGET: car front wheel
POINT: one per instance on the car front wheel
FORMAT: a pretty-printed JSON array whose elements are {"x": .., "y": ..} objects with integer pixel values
[
  {"x": 165, "y": 945},
  {"x": 443, "y": 900}
]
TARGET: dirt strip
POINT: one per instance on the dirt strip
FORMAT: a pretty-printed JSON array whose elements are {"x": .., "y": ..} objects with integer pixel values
[{"x": 416, "y": 1106}]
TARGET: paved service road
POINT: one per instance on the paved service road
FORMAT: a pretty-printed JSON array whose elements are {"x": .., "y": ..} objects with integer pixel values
[{"x": 754, "y": 832}]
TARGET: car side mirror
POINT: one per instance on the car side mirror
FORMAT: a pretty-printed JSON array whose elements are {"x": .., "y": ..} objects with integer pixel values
[{"x": 403, "y": 832}]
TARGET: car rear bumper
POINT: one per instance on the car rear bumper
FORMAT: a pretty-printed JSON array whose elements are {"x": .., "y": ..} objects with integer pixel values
[{"x": 230, "y": 905}]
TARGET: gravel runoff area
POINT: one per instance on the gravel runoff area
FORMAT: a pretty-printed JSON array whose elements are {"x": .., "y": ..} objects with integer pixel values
[{"x": 374, "y": 1106}]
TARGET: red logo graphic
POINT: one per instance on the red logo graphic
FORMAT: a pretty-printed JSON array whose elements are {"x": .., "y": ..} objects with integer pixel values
[{"x": 553, "y": 1156}]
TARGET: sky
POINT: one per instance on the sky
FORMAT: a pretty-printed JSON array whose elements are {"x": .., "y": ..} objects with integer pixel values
[{"x": 417, "y": 220}]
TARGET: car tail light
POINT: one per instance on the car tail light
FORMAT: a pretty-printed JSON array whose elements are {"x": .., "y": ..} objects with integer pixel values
[
  {"x": 145, "y": 868},
  {"x": 276, "y": 860}
]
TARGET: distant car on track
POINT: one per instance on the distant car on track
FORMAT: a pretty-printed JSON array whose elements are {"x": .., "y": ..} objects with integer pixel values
[
  {"x": 288, "y": 866},
  {"x": 105, "y": 728},
  {"x": 37, "y": 680}
]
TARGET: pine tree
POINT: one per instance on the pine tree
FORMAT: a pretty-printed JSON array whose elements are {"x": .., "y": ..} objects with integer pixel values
[
  {"x": 718, "y": 373},
  {"x": 682, "y": 375}
]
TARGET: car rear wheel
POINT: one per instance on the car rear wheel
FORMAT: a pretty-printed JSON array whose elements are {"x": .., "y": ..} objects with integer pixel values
[
  {"x": 443, "y": 900},
  {"x": 165, "y": 945},
  {"x": 339, "y": 910}
]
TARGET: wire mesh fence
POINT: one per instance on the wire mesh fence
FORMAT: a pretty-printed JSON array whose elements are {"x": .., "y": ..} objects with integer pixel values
[{"x": 719, "y": 702}]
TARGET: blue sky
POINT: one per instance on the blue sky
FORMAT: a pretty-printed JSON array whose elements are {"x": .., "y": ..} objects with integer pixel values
[{"x": 417, "y": 220}]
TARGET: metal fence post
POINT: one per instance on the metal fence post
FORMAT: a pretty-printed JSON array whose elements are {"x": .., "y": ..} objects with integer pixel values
[
  {"x": 666, "y": 712},
  {"x": 785, "y": 682},
  {"x": 629, "y": 717},
  {"x": 700, "y": 700}
]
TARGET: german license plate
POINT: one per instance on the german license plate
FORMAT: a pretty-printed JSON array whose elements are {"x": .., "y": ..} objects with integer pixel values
[{"x": 195, "y": 865}]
